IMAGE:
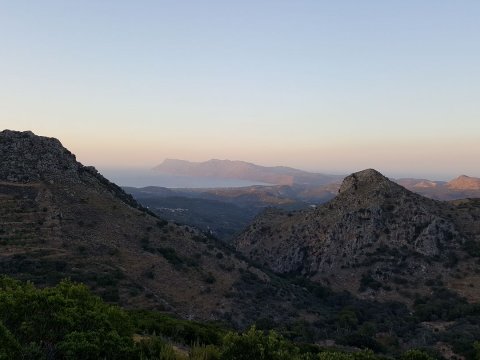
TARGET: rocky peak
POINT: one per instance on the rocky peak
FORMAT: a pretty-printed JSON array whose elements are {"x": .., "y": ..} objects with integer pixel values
[
  {"x": 26, "y": 157},
  {"x": 369, "y": 178}
]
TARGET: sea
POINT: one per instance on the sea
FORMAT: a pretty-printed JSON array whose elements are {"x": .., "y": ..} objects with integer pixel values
[{"x": 145, "y": 177}]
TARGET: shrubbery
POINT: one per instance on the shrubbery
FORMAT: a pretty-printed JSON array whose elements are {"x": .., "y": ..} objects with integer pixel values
[{"x": 68, "y": 322}]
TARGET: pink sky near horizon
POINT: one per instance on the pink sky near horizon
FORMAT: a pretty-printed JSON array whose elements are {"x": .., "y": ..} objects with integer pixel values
[
  {"x": 437, "y": 159},
  {"x": 326, "y": 86}
]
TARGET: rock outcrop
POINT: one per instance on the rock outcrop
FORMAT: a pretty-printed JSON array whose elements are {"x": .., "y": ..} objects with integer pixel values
[{"x": 28, "y": 158}]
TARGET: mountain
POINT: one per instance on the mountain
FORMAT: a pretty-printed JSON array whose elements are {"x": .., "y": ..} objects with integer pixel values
[
  {"x": 61, "y": 219},
  {"x": 460, "y": 188},
  {"x": 311, "y": 187},
  {"x": 241, "y": 170},
  {"x": 464, "y": 182},
  {"x": 375, "y": 239},
  {"x": 418, "y": 184}
]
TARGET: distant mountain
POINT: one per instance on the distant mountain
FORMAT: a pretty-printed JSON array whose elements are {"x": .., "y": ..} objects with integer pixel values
[
  {"x": 464, "y": 182},
  {"x": 375, "y": 237},
  {"x": 411, "y": 183},
  {"x": 228, "y": 169},
  {"x": 460, "y": 188},
  {"x": 306, "y": 186}
]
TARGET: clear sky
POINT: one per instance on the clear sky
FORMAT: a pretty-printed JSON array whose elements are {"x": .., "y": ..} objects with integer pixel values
[{"x": 333, "y": 86}]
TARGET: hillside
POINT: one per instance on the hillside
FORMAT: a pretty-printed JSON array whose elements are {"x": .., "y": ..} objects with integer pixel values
[
  {"x": 375, "y": 239},
  {"x": 278, "y": 175},
  {"x": 61, "y": 219}
]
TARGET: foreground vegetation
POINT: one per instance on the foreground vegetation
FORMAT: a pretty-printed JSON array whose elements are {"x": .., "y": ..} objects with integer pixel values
[{"x": 68, "y": 322}]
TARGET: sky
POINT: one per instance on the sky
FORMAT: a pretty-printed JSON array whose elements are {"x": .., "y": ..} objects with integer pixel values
[{"x": 329, "y": 86}]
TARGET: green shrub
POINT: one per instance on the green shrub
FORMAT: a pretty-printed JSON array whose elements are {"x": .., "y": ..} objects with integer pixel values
[
  {"x": 204, "y": 352},
  {"x": 415, "y": 354},
  {"x": 9, "y": 347},
  {"x": 171, "y": 256},
  {"x": 67, "y": 318},
  {"x": 254, "y": 344}
]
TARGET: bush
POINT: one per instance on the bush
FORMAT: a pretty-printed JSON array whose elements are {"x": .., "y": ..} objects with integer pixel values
[
  {"x": 204, "y": 352},
  {"x": 66, "y": 319},
  {"x": 154, "y": 348},
  {"x": 415, "y": 354},
  {"x": 9, "y": 347},
  {"x": 171, "y": 256},
  {"x": 476, "y": 346},
  {"x": 187, "y": 332},
  {"x": 254, "y": 344}
]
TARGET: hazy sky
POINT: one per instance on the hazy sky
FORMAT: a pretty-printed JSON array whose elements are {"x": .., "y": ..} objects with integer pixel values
[{"x": 333, "y": 86}]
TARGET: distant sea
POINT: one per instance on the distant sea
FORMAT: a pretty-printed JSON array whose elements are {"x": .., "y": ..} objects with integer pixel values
[{"x": 143, "y": 178}]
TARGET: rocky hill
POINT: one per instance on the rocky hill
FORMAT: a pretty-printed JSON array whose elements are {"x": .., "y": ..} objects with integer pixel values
[
  {"x": 375, "y": 239},
  {"x": 227, "y": 169}
]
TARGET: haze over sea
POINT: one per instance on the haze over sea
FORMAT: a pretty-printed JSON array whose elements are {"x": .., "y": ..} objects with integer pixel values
[{"x": 145, "y": 177}]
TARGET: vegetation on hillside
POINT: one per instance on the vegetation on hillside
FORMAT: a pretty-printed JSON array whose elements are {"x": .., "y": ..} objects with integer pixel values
[{"x": 68, "y": 322}]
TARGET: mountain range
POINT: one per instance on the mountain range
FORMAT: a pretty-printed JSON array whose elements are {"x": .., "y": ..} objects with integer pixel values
[
  {"x": 278, "y": 175},
  {"x": 308, "y": 186},
  {"x": 377, "y": 266},
  {"x": 224, "y": 212}
]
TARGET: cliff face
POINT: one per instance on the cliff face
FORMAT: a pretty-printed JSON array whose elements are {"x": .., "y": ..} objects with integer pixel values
[{"x": 375, "y": 235}]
